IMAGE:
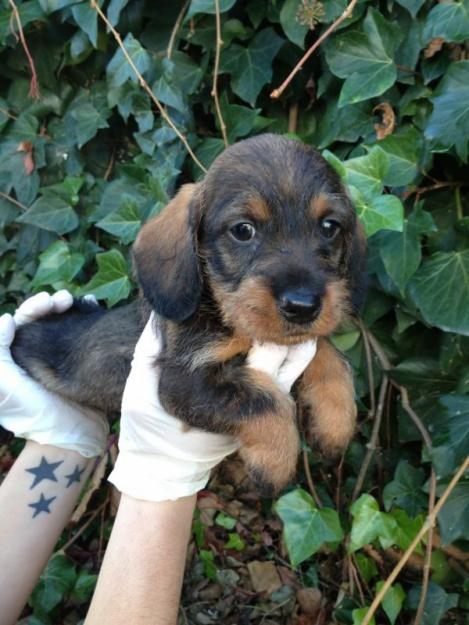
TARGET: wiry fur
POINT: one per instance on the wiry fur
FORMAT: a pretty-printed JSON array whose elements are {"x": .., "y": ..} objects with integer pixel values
[{"x": 214, "y": 296}]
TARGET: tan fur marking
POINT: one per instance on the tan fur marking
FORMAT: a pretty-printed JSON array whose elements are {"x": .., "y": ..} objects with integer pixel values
[
  {"x": 327, "y": 393},
  {"x": 221, "y": 351},
  {"x": 270, "y": 443},
  {"x": 258, "y": 208},
  {"x": 319, "y": 205},
  {"x": 252, "y": 312}
]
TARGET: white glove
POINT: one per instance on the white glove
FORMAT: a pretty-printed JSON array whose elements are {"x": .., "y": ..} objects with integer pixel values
[
  {"x": 28, "y": 409},
  {"x": 159, "y": 458}
]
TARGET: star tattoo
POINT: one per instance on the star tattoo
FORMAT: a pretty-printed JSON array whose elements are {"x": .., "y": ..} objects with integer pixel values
[
  {"x": 75, "y": 476},
  {"x": 44, "y": 471},
  {"x": 42, "y": 505}
]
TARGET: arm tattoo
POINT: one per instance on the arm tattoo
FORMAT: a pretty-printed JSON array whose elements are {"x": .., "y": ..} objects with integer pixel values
[
  {"x": 41, "y": 505},
  {"x": 44, "y": 471},
  {"x": 75, "y": 476}
]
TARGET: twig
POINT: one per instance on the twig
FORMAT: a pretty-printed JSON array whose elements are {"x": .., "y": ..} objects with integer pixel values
[
  {"x": 276, "y": 93},
  {"x": 457, "y": 197},
  {"x": 293, "y": 117},
  {"x": 34, "y": 85},
  {"x": 8, "y": 114},
  {"x": 369, "y": 366},
  {"x": 309, "y": 479},
  {"x": 214, "y": 92},
  {"x": 434, "y": 187},
  {"x": 144, "y": 84},
  {"x": 176, "y": 27},
  {"x": 94, "y": 514},
  {"x": 109, "y": 167},
  {"x": 429, "y": 522},
  {"x": 372, "y": 446},
  {"x": 13, "y": 201}
]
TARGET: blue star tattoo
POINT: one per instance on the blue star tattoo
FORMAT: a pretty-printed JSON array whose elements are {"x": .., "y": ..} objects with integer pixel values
[
  {"x": 75, "y": 476},
  {"x": 44, "y": 471},
  {"x": 42, "y": 505}
]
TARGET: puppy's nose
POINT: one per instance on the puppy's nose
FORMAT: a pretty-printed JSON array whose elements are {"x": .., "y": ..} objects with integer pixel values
[{"x": 300, "y": 305}]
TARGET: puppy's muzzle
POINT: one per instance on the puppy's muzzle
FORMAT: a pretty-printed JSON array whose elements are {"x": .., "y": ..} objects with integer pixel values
[{"x": 300, "y": 305}]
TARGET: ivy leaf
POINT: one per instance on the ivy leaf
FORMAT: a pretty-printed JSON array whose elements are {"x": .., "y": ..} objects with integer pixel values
[
  {"x": 440, "y": 289},
  {"x": 448, "y": 21},
  {"x": 447, "y": 424},
  {"x": 413, "y": 6},
  {"x": 454, "y": 516},
  {"x": 369, "y": 524},
  {"x": 251, "y": 67},
  {"x": 208, "y": 7},
  {"x": 367, "y": 173},
  {"x": 401, "y": 254},
  {"x": 384, "y": 212},
  {"x": 294, "y": 30},
  {"x": 437, "y": 603},
  {"x": 405, "y": 491},
  {"x": 87, "y": 20},
  {"x": 51, "y": 213},
  {"x": 84, "y": 121},
  {"x": 118, "y": 69},
  {"x": 54, "y": 584},
  {"x": 449, "y": 122},
  {"x": 392, "y": 601},
  {"x": 403, "y": 149},
  {"x": 84, "y": 586},
  {"x": 57, "y": 264},
  {"x": 112, "y": 281},
  {"x": 364, "y": 58},
  {"x": 306, "y": 527},
  {"x": 359, "y": 614},
  {"x": 124, "y": 222}
]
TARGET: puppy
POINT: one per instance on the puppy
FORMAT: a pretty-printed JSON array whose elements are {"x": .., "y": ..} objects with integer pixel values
[{"x": 267, "y": 247}]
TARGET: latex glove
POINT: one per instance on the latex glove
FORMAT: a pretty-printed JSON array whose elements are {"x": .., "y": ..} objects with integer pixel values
[
  {"x": 28, "y": 409},
  {"x": 159, "y": 458}
]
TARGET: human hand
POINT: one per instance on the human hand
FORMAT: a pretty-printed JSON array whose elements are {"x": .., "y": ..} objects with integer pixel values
[
  {"x": 28, "y": 409},
  {"x": 159, "y": 458}
]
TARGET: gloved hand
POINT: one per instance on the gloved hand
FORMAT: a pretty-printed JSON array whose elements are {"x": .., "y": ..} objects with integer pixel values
[
  {"x": 28, "y": 409},
  {"x": 158, "y": 458}
]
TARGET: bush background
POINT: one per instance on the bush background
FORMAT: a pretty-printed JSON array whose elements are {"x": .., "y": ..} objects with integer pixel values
[{"x": 386, "y": 98}]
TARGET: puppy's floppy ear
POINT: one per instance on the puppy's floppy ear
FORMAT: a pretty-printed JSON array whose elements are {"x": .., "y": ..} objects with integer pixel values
[
  {"x": 357, "y": 278},
  {"x": 165, "y": 257}
]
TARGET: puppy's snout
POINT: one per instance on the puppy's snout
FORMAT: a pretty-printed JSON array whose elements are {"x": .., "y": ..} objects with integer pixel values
[{"x": 299, "y": 305}]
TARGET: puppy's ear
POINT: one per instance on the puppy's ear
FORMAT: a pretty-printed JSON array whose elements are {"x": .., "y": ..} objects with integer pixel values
[
  {"x": 165, "y": 257},
  {"x": 357, "y": 278}
]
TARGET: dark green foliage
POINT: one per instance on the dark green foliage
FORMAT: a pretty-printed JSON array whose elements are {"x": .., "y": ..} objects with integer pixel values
[{"x": 85, "y": 165}]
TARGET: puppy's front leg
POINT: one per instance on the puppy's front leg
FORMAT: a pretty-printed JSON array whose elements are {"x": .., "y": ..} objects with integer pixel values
[
  {"x": 247, "y": 403},
  {"x": 327, "y": 397}
]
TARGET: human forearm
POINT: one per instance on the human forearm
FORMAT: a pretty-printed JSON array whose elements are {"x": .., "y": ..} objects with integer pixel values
[
  {"x": 36, "y": 500},
  {"x": 141, "y": 577}
]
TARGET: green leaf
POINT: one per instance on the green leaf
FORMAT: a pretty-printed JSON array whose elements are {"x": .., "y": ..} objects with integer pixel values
[
  {"x": 370, "y": 524},
  {"x": 306, "y": 527},
  {"x": 51, "y": 213},
  {"x": 384, "y": 212},
  {"x": 437, "y": 603},
  {"x": 448, "y": 21},
  {"x": 87, "y": 19},
  {"x": 118, "y": 68},
  {"x": 364, "y": 58},
  {"x": 405, "y": 491},
  {"x": 85, "y": 121},
  {"x": 124, "y": 222},
  {"x": 453, "y": 519},
  {"x": 208, "y": 560},
  {"x": 447, "y": 423},
  {"x": 84, "y": 586},
  {"x": 111, "y": 281},
  {"x": 57, "y": 264},
  {"x": 440, "y": 289},
  {"x": 359, "y": 615},
  {"x": 401, "y": 254},
  {"x": 208, "y": 7},
  {"x": 251, "y": 67},
  {"x": 54, "y": 584},
  {"x": 235, "y": 542},
  {"x": 294, "y": 30},
  {"x": 449, "y": 122},
  {"x": 413, "y": 6},
  {"x": 403, "y": 149},
  {"x": 223, "y": 520},
  {"x": 366, "y": 566},
  {"x": 367, "y": 173},
  {"x": 392, "y": 601}
]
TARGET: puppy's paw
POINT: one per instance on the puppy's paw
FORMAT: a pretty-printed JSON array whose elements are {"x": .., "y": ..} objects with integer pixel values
[{"x": 270, "y": 447}]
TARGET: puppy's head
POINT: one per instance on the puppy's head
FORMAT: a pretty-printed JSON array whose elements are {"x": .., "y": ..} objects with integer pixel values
[{"x": 272, "y": 231}]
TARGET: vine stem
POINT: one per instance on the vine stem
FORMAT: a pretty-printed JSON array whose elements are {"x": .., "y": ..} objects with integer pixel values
[
  {"x": 214, "y": 93},
  {"x": 309, "y": 479},
  {"x": 145, "y": 85},
  {"x": 276, "y": 93},
  {"x": 457, "y": 197},
  {"x": 429, "y": 522},
  {"x": 13, "y": 201},
  {"x": 34, "y": 85},
  {"x": 176, "y": 27}
]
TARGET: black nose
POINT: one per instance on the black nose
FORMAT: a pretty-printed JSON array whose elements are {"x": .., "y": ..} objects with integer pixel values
[{"x": 300, "y": 305}]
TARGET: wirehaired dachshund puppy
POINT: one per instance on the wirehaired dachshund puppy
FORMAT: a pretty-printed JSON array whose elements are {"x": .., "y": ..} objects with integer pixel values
[{"x": 267, "y": 247}]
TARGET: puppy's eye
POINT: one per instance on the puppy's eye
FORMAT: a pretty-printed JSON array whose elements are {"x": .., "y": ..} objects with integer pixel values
[
  {"x": 329, "y": 228},
  {"x": 243, "y": 231}
]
